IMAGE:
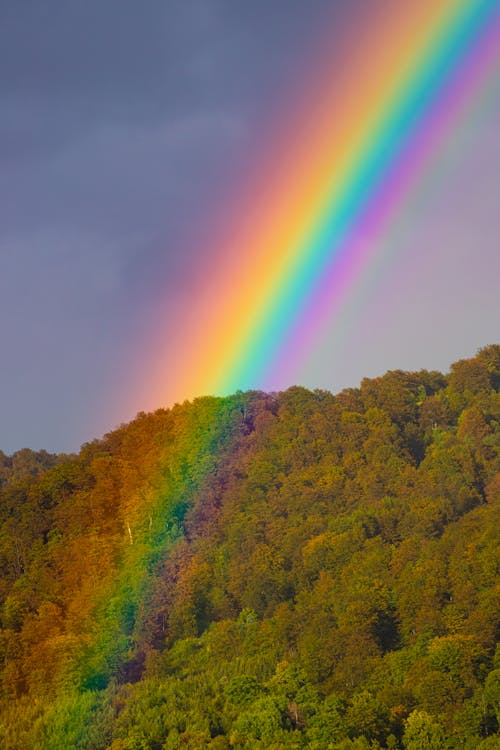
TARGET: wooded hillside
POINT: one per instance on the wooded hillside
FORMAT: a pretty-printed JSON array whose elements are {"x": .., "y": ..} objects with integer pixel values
[{"x": 291, "y": 570}]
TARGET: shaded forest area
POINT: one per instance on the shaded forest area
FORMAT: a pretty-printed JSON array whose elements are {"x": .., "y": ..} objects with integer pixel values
[{"x": 265, "y": 571}]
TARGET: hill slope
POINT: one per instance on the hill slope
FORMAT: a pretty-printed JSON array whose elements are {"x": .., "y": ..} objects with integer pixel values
[{"x": 296, "y": 570}]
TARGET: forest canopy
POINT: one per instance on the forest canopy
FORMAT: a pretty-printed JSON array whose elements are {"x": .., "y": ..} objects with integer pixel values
[{"x": 286, "y": 570}]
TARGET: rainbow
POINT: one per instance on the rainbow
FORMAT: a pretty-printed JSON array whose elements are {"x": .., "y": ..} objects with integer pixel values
[
  {"x": 326, "y": 187},
  {"x": 304, "y": 228}
]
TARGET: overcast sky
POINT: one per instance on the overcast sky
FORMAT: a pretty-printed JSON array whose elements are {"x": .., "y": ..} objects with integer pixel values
[{"x": 122, "y": 125}]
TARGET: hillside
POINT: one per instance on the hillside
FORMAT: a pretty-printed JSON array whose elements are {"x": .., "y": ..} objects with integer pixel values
[
  {"x": 291, "y": 570},
  {"x": 26, "y": 463}
]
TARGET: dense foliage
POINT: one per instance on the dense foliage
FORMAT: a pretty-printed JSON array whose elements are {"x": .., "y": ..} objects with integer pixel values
[{"x": 294, "y": 570}]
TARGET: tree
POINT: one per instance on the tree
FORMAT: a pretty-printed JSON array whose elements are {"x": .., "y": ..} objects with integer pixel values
[{"x": 422, "y": 732}]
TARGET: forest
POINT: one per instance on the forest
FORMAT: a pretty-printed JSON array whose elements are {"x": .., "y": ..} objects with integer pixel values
[{"x": 266, "y": 571}]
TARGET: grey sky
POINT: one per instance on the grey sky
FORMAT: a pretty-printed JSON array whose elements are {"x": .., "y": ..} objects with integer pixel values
[{"x": 121, "y": 126}]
